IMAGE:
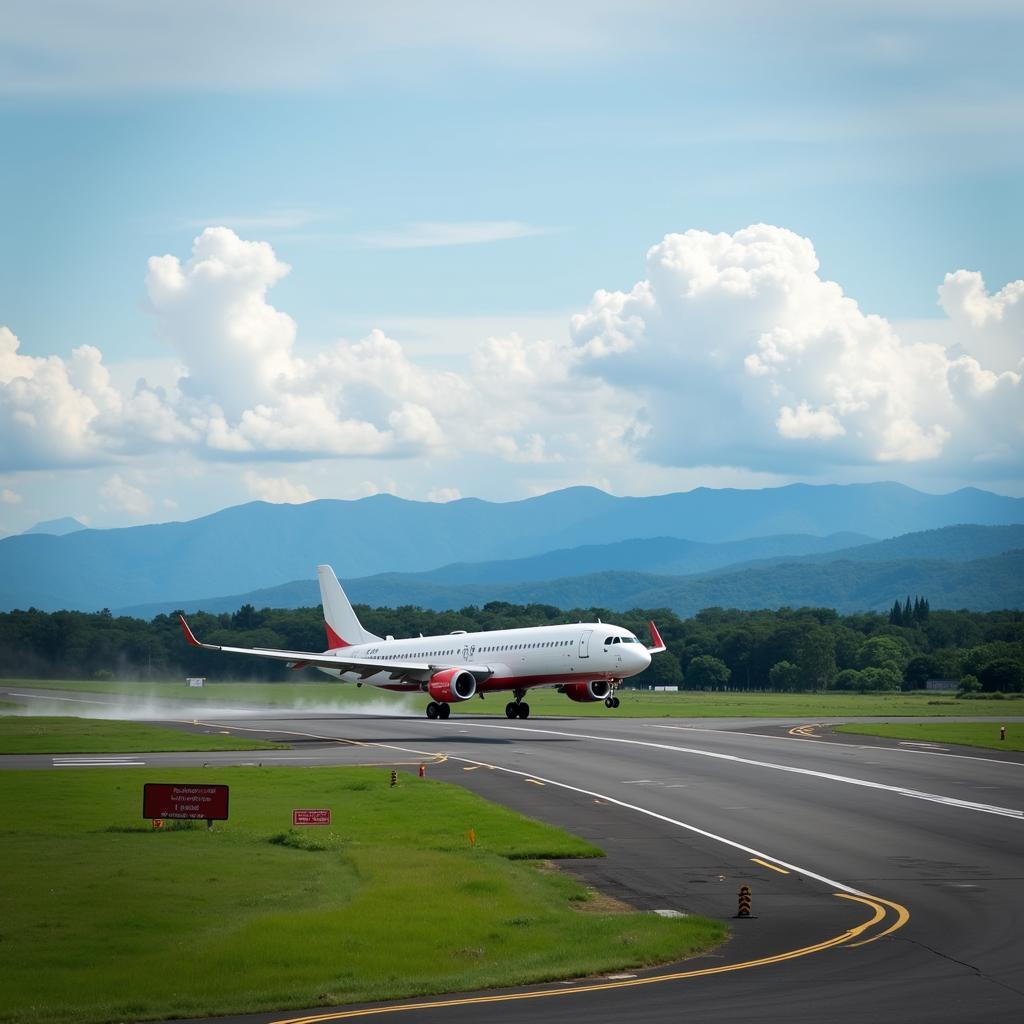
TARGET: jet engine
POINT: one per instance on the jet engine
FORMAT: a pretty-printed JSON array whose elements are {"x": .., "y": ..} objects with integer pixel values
[
  {"x": 586, "y": 693},
  {"x": 451, "y": 685}
]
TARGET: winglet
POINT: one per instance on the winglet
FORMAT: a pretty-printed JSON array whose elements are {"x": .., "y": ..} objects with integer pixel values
[
  {"x": 659, "y": 644},
  {"x": 189, "y": 635}
]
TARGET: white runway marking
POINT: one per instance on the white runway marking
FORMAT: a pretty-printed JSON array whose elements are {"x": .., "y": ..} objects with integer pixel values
[
  {"x": 832, "y": 743},
  {"x": 949, "y": 801},
  {"x": 94, "y": 762},
  {"x": 76, "y": 700}
]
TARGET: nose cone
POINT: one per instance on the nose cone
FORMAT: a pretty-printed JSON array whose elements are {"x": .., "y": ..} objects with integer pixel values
[{"x": 640, "y": 657}]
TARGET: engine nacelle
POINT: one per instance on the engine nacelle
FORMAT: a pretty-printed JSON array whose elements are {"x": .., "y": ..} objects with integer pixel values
[
  {"x": 587, "y": 693},
  {"x": 451, "y": 685}
]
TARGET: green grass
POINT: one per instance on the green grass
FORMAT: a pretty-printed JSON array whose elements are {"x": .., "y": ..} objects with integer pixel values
[
  {"x": 968, "y": 734},
  {"x": 38, "y": 735},
  {"x": 103, "y": 919},
  {"x": 341, "y": 697}
]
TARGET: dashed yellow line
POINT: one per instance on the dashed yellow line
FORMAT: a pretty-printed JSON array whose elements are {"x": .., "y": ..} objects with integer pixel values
[
  {"x": 766, "y": 864},
  {"x": 877, "y": 905}
]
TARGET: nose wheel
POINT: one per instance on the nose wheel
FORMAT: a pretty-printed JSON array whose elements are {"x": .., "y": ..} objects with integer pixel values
[{"x": 611, "y": 702}]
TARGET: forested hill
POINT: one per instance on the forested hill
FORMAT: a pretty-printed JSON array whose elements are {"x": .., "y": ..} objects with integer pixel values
[
  {"x": 259, "y": 545},
  {"x": 846, "y": 585},
  {"x": 789, "y": 649}
]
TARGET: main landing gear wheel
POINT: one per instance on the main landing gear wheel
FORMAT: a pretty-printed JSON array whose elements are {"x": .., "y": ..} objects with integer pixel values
[
  {"x": 524, "y": 710},
  {"x": 433, "y": 710},
  {"x": 511, "y": 709},
  {"x": 611, "y": 702},
  {"x": 444, "y": 710}
]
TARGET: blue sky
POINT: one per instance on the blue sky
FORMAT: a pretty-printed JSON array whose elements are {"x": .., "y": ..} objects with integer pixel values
[{"x": 449, "y": 172}]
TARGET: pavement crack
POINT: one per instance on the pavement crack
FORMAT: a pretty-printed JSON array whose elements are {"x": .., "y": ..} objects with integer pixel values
[{"x": 963, "y": 963}]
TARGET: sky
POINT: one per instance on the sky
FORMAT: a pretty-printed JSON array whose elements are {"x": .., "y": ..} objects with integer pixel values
[{"x": 447, "y": 249}]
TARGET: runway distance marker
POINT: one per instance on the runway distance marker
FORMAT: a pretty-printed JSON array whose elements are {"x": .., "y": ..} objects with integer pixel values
[{"x": 311, "y": 816}]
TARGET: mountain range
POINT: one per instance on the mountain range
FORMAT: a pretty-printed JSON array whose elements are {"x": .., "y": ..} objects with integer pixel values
[
  {"x": 974, "y": 567},
  {"x": 472, "y": 551}
]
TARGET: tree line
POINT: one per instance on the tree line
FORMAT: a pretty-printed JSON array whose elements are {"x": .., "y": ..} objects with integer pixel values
[{"x": 788, "y": 649}]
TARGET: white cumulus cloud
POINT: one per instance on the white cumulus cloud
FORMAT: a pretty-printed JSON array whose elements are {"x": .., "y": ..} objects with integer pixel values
[
  {"x": 732, "y": 351},
  {"x": 119, "y": 494},
  {"x": 739, "y": 353},
  {"x": 277, "y": 489}
]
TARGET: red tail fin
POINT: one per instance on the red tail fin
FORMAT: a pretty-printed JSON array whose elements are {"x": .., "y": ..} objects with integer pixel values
[{"x": 333, "y": 640}]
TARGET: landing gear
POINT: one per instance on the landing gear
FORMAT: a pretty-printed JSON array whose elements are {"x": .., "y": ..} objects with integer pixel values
[
  {"x": 438, "y": 710},
  {"x": 517, "y": 708},
  {"x": 611, "y": 702}
]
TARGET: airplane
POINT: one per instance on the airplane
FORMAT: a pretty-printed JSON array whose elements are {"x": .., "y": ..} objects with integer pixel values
[{"x": 586, "y": 661}]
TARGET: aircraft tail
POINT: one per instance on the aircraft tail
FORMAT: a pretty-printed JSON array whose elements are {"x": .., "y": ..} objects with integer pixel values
[{"x": 343, "y": 628}]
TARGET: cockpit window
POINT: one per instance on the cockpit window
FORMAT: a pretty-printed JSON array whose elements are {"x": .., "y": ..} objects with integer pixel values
[{"x": 607, "y": 640}]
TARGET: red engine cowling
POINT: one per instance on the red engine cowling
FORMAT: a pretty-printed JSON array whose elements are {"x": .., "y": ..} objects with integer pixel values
[
  {"x": 451, "y": 685},
  {"x": 586, "y": 693}
]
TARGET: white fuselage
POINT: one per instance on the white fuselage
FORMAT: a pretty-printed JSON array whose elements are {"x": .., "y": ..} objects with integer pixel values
[{"x": 515, "y": 658}]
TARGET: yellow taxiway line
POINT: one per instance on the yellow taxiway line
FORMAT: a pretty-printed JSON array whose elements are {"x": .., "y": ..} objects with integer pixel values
[
  {"x": 878, "y": 906},
  {"x": 801, "y": 731},
  {"x": 774, "y": 867}
]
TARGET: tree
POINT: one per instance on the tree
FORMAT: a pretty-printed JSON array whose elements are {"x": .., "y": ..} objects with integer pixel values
[
  {"x": 969, "y": 684},
  {"x": 707, "y": 673},
  {"x": 1003, "y": 674},
  {"x": 889, "y": 652},
  {"x": 919, "y": 670},
  {"x": 817, "y": 659},
  {"x": 786, "y": 676}
]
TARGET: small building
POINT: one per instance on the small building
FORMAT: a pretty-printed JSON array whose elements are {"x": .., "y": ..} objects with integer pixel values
[{"x": 942, "y": 685}]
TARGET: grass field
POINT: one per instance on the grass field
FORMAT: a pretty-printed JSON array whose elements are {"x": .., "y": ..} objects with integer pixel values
[
  {"x": 38, "y": 735},
  {"x": 103, "y": 919},
  {"x": 968, "y": 734},
  {"x": 341, "y": 697}
]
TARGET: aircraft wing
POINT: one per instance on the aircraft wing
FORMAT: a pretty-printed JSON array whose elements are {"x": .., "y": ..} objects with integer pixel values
[{"x": 400, "y": 671}]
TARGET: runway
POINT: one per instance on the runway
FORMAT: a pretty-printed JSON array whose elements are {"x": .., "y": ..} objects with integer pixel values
[{"x": 921, "y": 850}]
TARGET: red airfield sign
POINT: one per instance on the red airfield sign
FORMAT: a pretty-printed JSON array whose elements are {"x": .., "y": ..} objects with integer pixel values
[
  {"x": 182, "y": 800},
  {"x": 311, "y": 816}
]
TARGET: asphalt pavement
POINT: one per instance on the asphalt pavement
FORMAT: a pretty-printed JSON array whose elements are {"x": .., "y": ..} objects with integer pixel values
[{"x": 887, "y": 879}]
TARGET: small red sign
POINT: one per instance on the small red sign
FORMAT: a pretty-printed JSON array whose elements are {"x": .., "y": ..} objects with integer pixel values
[
  {"x": 311, "y": 816},
  {"x": 182, "y": 800}
]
